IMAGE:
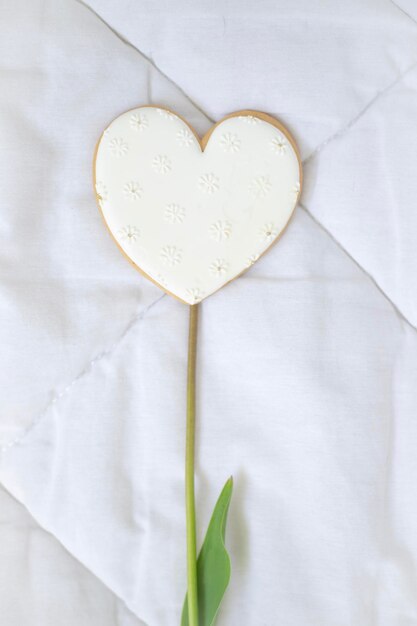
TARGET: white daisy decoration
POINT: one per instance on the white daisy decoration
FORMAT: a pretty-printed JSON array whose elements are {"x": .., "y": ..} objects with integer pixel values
[
  {"x": 268, "y": 232},
  {"x": 166, "y": 114},
  {"x": 129, "y": 233},
  {"x": 251, "y": 260},
  {"x": 162, "y": 280},
  {"x": 250, "y": 119},
  {"x": 208, "y": 183},
  {"x": 138, "y": 122},
  {"x": 118, "y": 147},
  {"x": 260, "y": 186},
  {"x": 171, "y": 255},
  {"x": 230, "y": 142},
  {"x": 101, "y": 191},
  {"x": 132, "y": 191},
  {"x": 161, "y": 164},
  {"x": 220, "y": 230},
  {"x": 219, "y": 267},
  {"x": 174, "y": 213},
  {"x": 195, "y": 294},
  {"x": 185, "y": 138},
  {"x": 279, "y": 144}
]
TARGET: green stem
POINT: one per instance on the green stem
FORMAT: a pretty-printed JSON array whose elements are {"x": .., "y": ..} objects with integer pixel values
[{"x": 189, "y": 471}]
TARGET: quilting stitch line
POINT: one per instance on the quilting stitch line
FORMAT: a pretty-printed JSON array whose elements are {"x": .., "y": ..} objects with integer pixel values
[
  {"x": 397, "y": 310},
  {"x": 397, "y": 6},
  {"x": 86, "y": 369},
  {"x": 147, "y": 58},
  {"x": 342, "y": 131}
]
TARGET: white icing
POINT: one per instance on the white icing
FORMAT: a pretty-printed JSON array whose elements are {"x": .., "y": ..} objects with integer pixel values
[{"x": 193, "y": 220}]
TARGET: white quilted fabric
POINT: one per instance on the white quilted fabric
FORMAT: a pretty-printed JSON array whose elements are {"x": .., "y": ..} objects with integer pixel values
[{"x": 307, "y": 364}]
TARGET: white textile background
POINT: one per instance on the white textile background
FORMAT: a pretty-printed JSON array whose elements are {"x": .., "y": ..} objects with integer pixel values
[{"x": 307, "y": 368}]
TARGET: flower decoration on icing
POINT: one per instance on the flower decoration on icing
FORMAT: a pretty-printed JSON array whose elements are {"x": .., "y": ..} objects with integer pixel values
[
  {"x": 138, "y": 122},
  {"x": 251, "y": 260},
  {"x": 260, "y": 186},
  {"x": 250, "y": 119},
  {"x": 230, "y": 142},
  {"x": 101, "y": 191},
  {"x": 279, "y": 144},
  {"x": 208, "y": 183},
  {"x": 171, "y": 255},
  {"x": 268, "y": 232},
  {"x": 118, "y": 147},
  {"x": 166, "y": 114},
  {"x": 219, "y": 267},
  {"x": 185, "y": 138},
  {"x": 162, "y": 280},
  {"x": 129, "y": 233},
  {"x": 195, "y": 294},
  {"x": 220, "y": 230},
  {"x": 133, "y": 191},
  {"x": 174, "y": 213},
  {"x": 161, "y": 164}
]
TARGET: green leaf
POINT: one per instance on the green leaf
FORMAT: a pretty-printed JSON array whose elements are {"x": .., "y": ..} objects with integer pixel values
[{"x": 213, "y": 564}]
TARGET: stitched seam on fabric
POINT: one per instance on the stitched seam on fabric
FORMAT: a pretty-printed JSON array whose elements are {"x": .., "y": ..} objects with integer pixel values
[
  {"x": 147, "y": 58},
  {"x": 396, "y": 309},
  {"x": 400, "y": 8},
  {"x": 335, "y": 137},
  {"x": 86, "y": 370},
  {"x": 320, "y": 147},
  {"x": 342, "y": 131}
]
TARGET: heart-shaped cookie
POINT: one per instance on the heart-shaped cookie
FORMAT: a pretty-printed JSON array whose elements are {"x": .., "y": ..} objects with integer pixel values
[{"x": 193, "y": 214}]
